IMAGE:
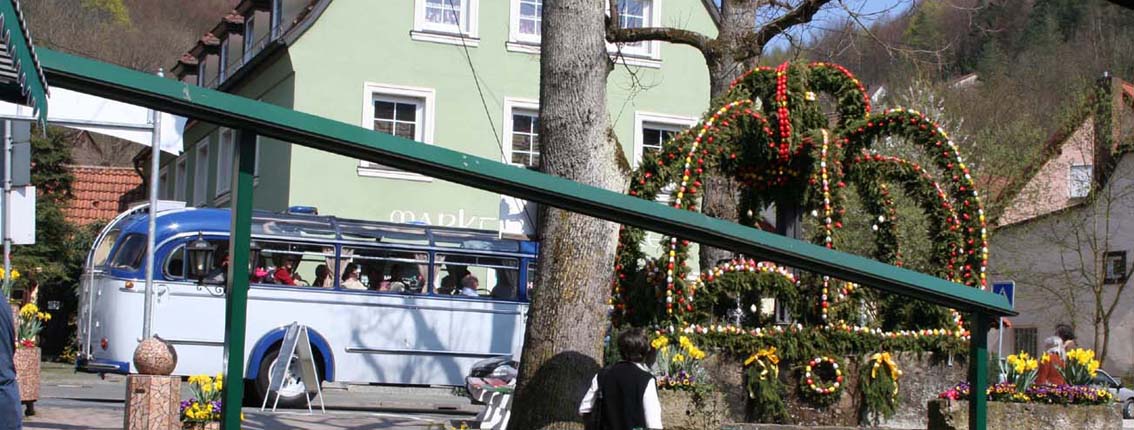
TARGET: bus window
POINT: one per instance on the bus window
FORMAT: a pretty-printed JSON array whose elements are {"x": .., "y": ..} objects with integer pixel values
[
  {"x": 495, "y": 277},
  {"x": 316, "y": 227},
  {"x": 473, "y": 240},
  {"x": 531, "y": 280},
  {"x": 390, "y": 271},
  {"x": 102, "y": 252},
  {"x": 130, "y": 253},
  {"x": 174, "y": 267},
  {"x": 370, "y": 232},
  {"x": 293, "y": 264}
]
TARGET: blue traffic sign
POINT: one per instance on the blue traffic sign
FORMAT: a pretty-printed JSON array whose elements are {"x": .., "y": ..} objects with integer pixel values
[{"x": 1006, "y": 289}]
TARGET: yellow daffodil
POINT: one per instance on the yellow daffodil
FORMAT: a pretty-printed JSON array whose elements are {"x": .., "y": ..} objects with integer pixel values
[
  {"x": 685, "y": 342},
  {"x": 678, "y": 358},
  {"x": 660, "y": 342}
]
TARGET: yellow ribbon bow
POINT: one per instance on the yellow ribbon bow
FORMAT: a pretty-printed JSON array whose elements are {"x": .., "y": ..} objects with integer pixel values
[
  {"x": 884, "y": 359},
  {"x": 767, "y": 360}
]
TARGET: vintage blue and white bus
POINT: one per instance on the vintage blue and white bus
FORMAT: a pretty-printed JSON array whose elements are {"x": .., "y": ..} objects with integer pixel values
[{"x": 398, "y": 316}]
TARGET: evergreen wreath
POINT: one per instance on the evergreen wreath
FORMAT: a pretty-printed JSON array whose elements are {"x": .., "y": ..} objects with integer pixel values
[
  {"x": 821, "y": 381},
  {"x": 878, "y": 379}
]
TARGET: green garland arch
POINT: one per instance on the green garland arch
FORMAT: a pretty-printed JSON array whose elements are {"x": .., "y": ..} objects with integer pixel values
[{"x": 770, "y": 133}]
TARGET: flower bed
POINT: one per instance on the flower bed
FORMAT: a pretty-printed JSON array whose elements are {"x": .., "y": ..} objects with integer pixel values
[{"x": 946, "y": 414}]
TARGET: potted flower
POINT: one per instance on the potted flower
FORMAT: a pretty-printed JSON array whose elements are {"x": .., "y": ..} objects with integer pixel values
[
  {"x": 687, "y": 398},
  {"x": 30, "y": 323},
  {"x": 203, "y": 410},
  {"x": 1021, "y": 403}
]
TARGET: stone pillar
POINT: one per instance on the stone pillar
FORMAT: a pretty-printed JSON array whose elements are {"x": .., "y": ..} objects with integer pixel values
[{"x": 152, "y": 402}]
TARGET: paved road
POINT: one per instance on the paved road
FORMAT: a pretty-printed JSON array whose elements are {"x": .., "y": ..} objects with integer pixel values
[{"x": 71, "y": 400}]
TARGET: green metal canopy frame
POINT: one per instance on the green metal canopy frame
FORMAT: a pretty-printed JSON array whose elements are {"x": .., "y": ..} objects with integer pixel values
[
  {"x": 29, "y": 88},
  {"x": 257, "y": 118}
]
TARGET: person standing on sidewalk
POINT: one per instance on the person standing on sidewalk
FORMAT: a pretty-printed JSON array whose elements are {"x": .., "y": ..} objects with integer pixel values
[
  {"x": 11, "y": 417},
  {"x": 625, "y": 394}
]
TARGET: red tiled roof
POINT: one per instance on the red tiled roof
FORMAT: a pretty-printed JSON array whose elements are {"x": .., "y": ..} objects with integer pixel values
[{"x": 101, "y": 193}]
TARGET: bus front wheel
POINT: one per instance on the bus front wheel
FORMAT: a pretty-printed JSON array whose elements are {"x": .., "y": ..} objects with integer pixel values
[{"x": 292, "y": 392}]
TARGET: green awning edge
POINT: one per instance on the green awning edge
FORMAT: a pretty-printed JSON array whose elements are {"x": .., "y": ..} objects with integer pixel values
[
  {"x": 229, "y": 110},
  {"x": 33, "y": 87}
]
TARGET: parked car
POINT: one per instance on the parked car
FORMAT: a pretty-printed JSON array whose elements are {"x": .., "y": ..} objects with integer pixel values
[{"x": 1123, "y": 395}]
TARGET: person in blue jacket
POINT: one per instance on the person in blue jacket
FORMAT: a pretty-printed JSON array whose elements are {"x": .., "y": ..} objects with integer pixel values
[{"x": 11, "y": 418}]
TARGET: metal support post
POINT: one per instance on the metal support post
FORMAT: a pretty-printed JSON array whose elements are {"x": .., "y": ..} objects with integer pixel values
[
  {"x": 236, "y": 293},
  {"x": 155, "y": 165},
  {"x": 7, "y": 222},
  {"x": 978, "y": 371}
]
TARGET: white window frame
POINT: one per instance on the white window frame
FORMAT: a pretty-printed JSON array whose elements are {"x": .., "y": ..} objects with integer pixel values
[
  {"x": 163, "y": 183},
  {"x": 222, "y": 61},
  {"x": 511, "y": 105},
  {"x": 649, "y": 54},
  {"x": 424, "y": 97},
  {"x": 180, "y": 177},
  {"x": 464, "y": 33},
  {"x": 1072, "y": 187},
  {"x": 517, "y": 41},
  {"x": 663, "y": 121},
  {"x": 226, "y": 144},
  {"x": 201, "y": 172},
  {"x": 249, "y": 41}
]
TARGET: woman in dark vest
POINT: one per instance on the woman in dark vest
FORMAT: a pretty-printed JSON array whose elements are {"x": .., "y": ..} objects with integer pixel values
[
  {"x": 627, "y": 390},
  {"x": 10, "y": 414}
]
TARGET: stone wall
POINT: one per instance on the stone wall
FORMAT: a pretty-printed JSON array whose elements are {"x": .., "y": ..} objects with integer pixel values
[
  {"x": 924, "y": 377},
  {"x": 954, "y": 415}
]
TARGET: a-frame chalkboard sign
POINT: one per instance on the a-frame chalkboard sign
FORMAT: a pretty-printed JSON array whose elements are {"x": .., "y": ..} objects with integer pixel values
[{"x": 295, "y": 351}]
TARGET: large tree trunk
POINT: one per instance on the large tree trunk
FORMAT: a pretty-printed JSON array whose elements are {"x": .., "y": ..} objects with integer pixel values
[
  {"x": 721, "y": 199},
  {"x": 568, "y": 318}
]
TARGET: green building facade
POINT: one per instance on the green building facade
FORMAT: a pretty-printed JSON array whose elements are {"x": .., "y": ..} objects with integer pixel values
[{"x": 462, "y": 74}]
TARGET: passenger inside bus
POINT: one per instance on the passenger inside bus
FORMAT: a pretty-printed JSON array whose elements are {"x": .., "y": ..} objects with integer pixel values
[
  {"x": 450, "y": 281},
  {"x": 323, "y": 277},
  {"x": 505, "y": 288},
  {"x": 395, "y": 284},
  {"x": 350, "y": 277},
  {"x": 219, "y": 274},
  {"x": 469, "y": 285},
  {"x": 285, "y": 274}
]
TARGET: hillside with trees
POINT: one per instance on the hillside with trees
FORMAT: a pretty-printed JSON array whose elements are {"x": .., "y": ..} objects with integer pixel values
[
  {"x": 1035, "y": 61},
  {"x": 139, "y": 34}
]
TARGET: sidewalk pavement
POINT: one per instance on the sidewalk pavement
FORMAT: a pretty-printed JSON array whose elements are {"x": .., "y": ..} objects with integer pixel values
[
  {"x": 69, "y": 415},
  {"x": 70, "y": 400}
]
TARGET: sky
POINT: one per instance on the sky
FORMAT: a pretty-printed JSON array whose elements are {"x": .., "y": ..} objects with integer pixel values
[{"x": 835, "y": 12}]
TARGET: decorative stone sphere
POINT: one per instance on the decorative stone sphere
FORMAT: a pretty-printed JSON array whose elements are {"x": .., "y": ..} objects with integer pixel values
[{"x": 155, "y": 356}]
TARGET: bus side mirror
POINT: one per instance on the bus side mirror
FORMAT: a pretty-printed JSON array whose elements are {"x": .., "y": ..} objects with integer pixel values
[{"x": 200, "y": 258}]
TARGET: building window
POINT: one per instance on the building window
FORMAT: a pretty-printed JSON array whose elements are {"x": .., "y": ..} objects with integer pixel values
[
  {"x": 224, "y": 160},
  {"x": 446, "y": 21},
  {"x": 526, "y": 23},
  {"x": 653, "y": 129},
  {"x": 163, "y": 183},
  {"x": 521, "y": 142},
  {"x": 201, "y": 172},
  {"x": 405, "y": 112},
  {"x": 1080, "y": 180},
  {"x": 181, "y": 180},
  {"x": 1115, "y": 267},
  {"x": 1026, "y": 340},
  {"x": 637, "y": 14}
]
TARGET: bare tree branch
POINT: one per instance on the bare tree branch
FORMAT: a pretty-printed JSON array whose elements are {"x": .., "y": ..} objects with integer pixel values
[
  {"x": 754, "y": 42},
  {"x": 616, "y": 34}
]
